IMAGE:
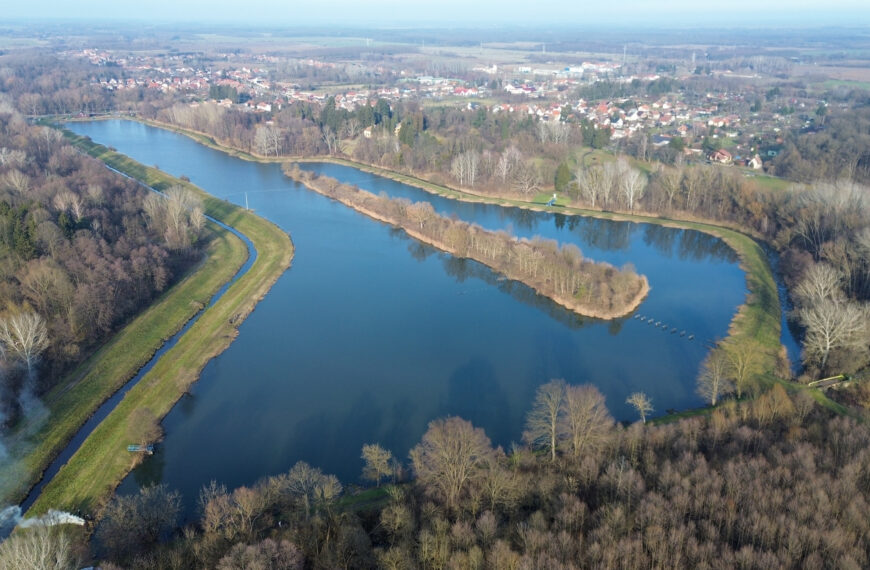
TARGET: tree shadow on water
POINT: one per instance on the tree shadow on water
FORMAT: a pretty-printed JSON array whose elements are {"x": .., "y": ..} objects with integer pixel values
[{"x": 474, "y": 393}]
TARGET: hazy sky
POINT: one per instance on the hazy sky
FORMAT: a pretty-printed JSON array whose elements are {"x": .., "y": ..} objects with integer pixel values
[{"x": 457, "y": 13}]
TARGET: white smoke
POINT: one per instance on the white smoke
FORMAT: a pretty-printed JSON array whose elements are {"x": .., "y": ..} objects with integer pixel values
[
  {"x": 10, "y": 517},
  {"x": 52, "y": 518}
]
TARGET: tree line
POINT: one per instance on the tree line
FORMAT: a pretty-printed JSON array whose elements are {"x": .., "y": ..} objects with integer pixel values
[
  {"x": 81, "y": 251},
  {"x": 561, "y": 273},
  {"x": 777, "y": 481}
]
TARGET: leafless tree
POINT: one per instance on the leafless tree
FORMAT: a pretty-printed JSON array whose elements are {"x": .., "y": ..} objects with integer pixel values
[
  {"x": 820, "y": 281},
  {"x": 267, "y": 140},
  {"x": 421, "y": 212},
  {"x": 17, "y": 181},
  {"x": 179, "y": 204},
  {"x": 332, "y": 141},
  {"x": 832, "y": 325},
  {"x": 543, "y": 421},
  {"x": 12, "y": 157},
  {"x": 283, "y": 555},
  {"x": 641, "y": 403},
  {"x": 713, "y": 380},
  {"x": 526, "y": 178},
  {"x": 39, "y": 547},
  {"x": 352, "y": 127},
  {"x": 67, "y": 201},
  {"x": 378, "y": 463},
  {"x": 25, "y": 336},
  {"x": 632, "y": 183},
  {"x": 507, "y": 163},
  {"x": 669, "y": 181},
  {"x": 744, "y": 363},
  {"x": 590, "y": 182},
  {"x": 556, "y": 132},
  {"x": 451, "y": 456},
  {"x": 464, "y": 167},
  {"x": 308, "y": 486},
  {"x": 607, "y": 183},
  {"x": 585, "y": 420}
]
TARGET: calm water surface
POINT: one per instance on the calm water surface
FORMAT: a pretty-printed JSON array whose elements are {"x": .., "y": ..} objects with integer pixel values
[{"x": 370, "y": 335}]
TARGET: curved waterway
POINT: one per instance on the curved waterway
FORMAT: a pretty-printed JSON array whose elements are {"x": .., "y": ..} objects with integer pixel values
[{"x": 370, "y": 334}]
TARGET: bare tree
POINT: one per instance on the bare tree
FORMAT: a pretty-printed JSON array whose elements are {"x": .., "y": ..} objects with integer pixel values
[
  {"x": 543, "y": 421},
  {"x": 17, "y": 181},
  {"x": 177, "y": 210},
  {"x": 352, "y": 127},
  {"x": 333, "y": 143},
  {"x": 267, "y": 140},
  {"x": 12, "y": 157},
  {"x": 26, "y": 336},
  {"x": 641, "y": 403},
  {"x": 744, "y": 363},
  {"x": 508, "y": 161},
  {"x": 585, "y": 419},
  {"x": 832, "y": 325},
  {"x": 820, "y": 281},
  {"x": 450, "y": 457},
  {"x": 713, "y": 380},
  {"x": 308, "y": 486},
  {"x": 283, "y": 555},
  {"x": 556, "y": 132},
  {"x": 464, "y": 167},
  {"x": 607, "y": 182},
  {"x": 421, "y": 212},
  {"x": 588, "y": 186},
  {"x": 526, "y": 178},
  {"x": 39, "y": 547},
  {"x": 133, "y": 523},
  {"x": 378, "y": 463},
  {"x": 632, "y": 183},
  {"x": 669, "y": 181}
]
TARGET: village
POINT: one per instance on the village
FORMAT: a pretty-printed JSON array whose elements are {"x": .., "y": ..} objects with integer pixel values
[{"x": 743, "y": 125}]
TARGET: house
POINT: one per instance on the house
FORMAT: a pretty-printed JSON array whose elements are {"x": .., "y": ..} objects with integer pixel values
[
  {"x": 755, "y": 163},
  {"x": 367, "y": 133},
  {"x": 721, "y": 156}
]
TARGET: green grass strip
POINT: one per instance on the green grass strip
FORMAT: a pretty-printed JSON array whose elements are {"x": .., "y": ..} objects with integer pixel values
[{"x": 87, "y": 481}]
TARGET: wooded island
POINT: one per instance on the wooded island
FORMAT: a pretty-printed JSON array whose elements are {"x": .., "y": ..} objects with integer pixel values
[{"x": 586, "y": 287}]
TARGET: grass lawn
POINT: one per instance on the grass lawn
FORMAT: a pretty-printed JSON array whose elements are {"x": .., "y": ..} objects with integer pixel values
[{"x": 88, "y": 479}]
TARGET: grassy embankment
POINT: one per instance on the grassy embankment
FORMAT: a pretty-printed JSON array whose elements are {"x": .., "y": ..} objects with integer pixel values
[
  {"x": 76, "y": 398},
  {"x": 91, "y": 475}
]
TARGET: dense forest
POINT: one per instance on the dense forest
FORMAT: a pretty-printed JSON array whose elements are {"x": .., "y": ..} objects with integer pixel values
[
  {"x": 81, "y": 250},
  {"x": 773, "y": 482},
  {"x": 560, "y": 273}
]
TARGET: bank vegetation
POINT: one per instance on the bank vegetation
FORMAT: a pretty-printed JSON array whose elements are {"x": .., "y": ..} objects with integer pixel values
[
  {"x": 774, "y": 482},
  {"x": 561, "y": 273}
]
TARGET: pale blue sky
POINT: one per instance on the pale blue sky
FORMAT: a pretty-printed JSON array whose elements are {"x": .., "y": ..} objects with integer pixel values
[{"x": 459, "y": 13}]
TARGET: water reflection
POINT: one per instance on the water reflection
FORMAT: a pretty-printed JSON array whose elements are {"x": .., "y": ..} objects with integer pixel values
[
  {"x": 371, "y": 334},
  {"x": 474, "y": 390}
]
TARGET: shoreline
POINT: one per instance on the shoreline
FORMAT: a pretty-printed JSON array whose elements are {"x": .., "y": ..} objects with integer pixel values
[
  {"x": 757, "y": 319},
  {"x": 633, "y": 304}
]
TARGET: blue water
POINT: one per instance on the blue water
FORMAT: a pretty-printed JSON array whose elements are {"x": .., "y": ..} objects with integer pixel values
[{"x": 370, "y": 334}]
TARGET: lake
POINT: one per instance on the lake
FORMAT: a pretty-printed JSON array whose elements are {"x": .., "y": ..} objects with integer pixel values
[{"x": 371, "y": 335}]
